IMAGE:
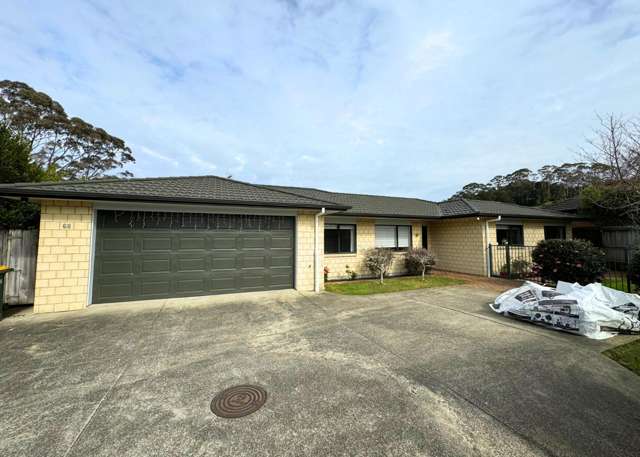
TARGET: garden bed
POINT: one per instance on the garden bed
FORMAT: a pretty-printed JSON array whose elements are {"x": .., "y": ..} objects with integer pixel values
[{"x": 373, "y": 286}]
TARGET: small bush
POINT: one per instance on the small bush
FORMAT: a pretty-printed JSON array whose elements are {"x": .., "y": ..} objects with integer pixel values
[
  {"x": 419, "y": 261},
  {"x": 351, "y": 274},
  {"x": 520, "y": 269},
  {"x": 569, "y": 260},
  {"x": 378, "y": 261}
]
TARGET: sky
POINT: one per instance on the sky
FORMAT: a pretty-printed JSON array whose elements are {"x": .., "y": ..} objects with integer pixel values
[{"x": 407, "y": 98}]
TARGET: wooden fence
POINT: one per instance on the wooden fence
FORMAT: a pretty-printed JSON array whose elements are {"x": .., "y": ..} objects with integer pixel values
[{"x": 18, "y": 249}]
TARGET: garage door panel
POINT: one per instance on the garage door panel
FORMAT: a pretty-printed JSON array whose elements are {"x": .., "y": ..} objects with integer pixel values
[
  {"x": 281, "y": 242},
  {"x": 158, "y": 256},
  {"x": 120, "y": 290},
  {"x": 253, "y": 261},
  {"x": 223, "y": 242},
  {"x": 156, "y": 243},
  {"x": 116, "y": 266},
  {"x": 253, "y": 242},
  {"x": 229, "y": 263},
  {"x": 156, "y": 287},
  {"x": 155, "y": 265},
  {"x": 191, "y": 264},
  {"x": 117, "y": 244},
  {"x": 191, "y": 242},
  {"x": 220, "y": 283},
  {"x": 278, "y": 260},
  {"x": 191, "y": 286},
  {"x": 255, "y": 282}
]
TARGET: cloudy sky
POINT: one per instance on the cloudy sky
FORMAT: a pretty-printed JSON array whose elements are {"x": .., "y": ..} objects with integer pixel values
[{"x": 411, "y": 98}]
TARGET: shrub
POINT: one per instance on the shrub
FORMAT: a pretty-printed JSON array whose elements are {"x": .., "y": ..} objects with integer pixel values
[
  {"x": 569, "y": 260},
  {"x": 419, "y": 261},
  {"x": 378, "y": 261},
  {"x": 520, "y": 269},
  {"x": 351, "y": 274}
]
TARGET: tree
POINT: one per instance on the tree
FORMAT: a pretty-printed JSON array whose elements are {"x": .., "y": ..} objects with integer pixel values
[
  {"x": 15, "y": 159},
  {"x": 548, "y": 184},
  {"x": 73, "y": 147},
  {"x": 420, "y": 260},
  {"x": 16, "y": 165},
  {"x": 378, "y": 261},
  {"x": 615, "y": 148}
]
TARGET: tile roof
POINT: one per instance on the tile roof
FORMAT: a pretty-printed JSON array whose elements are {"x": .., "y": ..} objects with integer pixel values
[
  {"x": 571, "y": 205},
  {"x": 189, "y": 189},
  {"x": 371, "y": 205},
  {"x": 222, "y": 191},
  {"x": 492, "y": 208}
]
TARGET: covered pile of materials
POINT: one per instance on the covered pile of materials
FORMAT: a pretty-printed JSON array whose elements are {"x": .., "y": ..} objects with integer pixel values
[{"x": 594, "y": 311}]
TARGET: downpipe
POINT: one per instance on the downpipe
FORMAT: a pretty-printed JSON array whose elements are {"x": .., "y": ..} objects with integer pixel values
[
  {"x": 316, "y": 254},
  {"x": 486, "y": 237}
]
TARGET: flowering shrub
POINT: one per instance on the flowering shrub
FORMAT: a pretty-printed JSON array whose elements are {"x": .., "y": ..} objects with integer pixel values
[
  {"x": 378, "y": 261},
  {"x": 419, "y": 261},
  {"x": 568, "y": 260}
]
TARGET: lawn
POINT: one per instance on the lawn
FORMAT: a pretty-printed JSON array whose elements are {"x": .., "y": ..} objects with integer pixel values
[
  {"x": 618, "y": 282},
  {"x": 627, "y": 355},
  {"x": 373, "y": 286}
]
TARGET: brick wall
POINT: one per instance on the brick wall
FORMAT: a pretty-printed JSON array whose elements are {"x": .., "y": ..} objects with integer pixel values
[
  {"x": 459, "y": 245},
  {"x": 305, "y": 232},
  {"x": 365, "y": 239},
  {"x": 62, "y": 268}
]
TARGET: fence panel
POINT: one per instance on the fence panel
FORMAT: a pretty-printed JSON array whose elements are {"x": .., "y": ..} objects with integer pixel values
[
  {"x": 516, "y": 262},
  {"x": 18, "y": 249}
]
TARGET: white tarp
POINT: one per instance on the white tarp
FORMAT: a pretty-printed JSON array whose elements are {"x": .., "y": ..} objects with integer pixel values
[{"x": 594, "y": 311}]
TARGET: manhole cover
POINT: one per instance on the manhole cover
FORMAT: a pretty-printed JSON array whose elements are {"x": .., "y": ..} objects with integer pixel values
[{"x": 238, "y": 401}]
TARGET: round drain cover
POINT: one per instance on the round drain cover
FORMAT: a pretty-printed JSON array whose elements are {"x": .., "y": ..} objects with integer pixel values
[{"x": 238, "y": 401}]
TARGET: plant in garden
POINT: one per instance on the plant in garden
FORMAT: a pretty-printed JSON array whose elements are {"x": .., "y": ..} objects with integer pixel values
[
  {"x": 378, "y": 261},
  {"x": 351, "y": 274},
  {"x": 520, "y": 268},
  {"x": 326, "y": 273},
  {"x": 419, "y": 261},
  {"x": 568, "y": 260}
]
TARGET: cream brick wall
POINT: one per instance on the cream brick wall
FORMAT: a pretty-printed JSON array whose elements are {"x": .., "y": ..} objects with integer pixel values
[
  {"x": 365, "y": 239},
  {"x": 62, "y": 268},
  {"x": 459, "y": 245},
  {"x": 305, "y": 232}
]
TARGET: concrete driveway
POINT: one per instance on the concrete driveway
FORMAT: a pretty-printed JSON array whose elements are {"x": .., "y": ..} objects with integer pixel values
[{"x": 429, "y": 372}]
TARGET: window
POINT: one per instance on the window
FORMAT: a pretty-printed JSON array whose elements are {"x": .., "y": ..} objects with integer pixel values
[
  {"x": 510, "y": 234},
  {"x": 555, "y": 232},
  {"x": 393, "y": 236},
  {"x": 339, "y": 238}
]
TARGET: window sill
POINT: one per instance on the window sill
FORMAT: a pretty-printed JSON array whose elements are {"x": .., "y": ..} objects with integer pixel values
[{"x": 342, "y": 254}]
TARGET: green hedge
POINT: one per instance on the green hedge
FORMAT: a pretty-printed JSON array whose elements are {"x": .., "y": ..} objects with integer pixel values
[{"x": 568, "y": 260}]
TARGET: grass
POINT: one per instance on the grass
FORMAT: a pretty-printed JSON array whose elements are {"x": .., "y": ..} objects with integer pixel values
[
  {"x": 373, "y": 286},
  {"x": 627, "y": 355},
  {"x": 618, "y": 283}
]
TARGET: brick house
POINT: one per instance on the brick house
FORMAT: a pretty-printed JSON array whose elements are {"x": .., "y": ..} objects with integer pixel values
[{"x": 152, "y": 238}]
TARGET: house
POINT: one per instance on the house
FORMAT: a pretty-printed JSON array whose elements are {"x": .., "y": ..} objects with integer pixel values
[{"x": 115, "y": 240}]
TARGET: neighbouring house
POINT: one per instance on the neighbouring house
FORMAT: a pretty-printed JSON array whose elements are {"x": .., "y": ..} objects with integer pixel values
[{"x": 115, "y": 240}]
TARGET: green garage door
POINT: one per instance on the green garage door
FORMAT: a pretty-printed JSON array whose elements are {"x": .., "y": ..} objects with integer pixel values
[{"x": 143, "y": 255}]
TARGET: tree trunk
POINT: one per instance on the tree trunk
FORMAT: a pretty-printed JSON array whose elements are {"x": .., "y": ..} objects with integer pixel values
[
  {"x": 381, "y": 276},
  {"x": 423, "y": 269}
]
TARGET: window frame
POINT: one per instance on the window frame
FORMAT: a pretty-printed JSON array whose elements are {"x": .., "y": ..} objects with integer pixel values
[
  {"x": 355, "y": 239},
  {"x": 395, "y": 226},
  {"x": 561, "y": 227},
  {"x": 510, "y": 227}
]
